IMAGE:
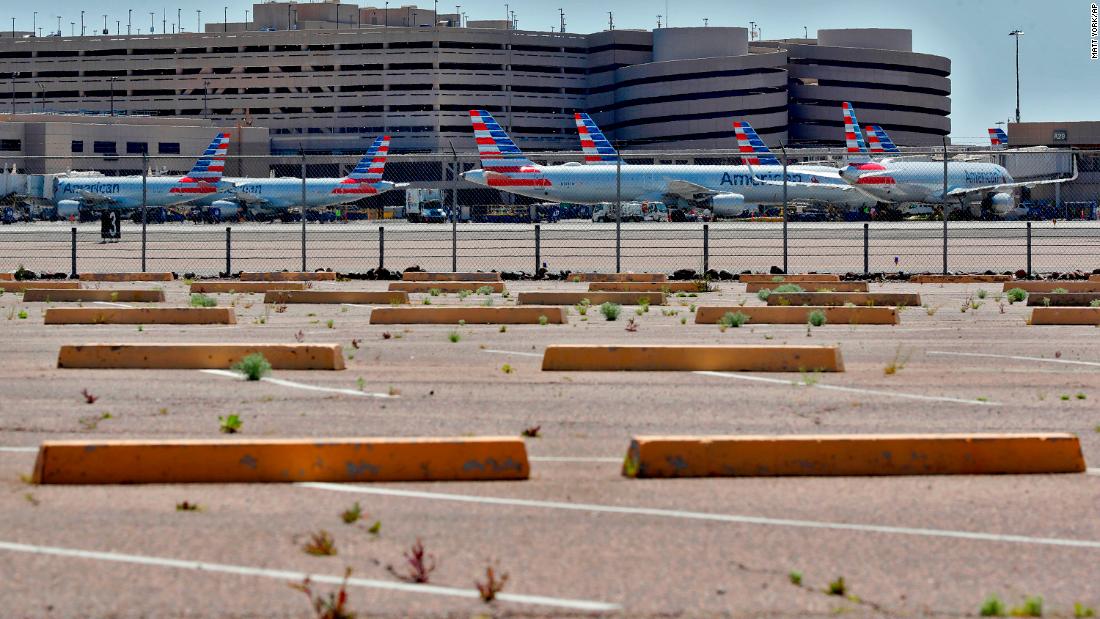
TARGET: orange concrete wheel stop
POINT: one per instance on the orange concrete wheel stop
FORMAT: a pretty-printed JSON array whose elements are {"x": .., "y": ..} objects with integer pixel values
[
  {"x": 7, "y": 277},
  {"x": 745, "y": 278},
  {"x": 365, "y": 297},
  {"x": 199, "y": 356},
  {"x": 48, "y": 284},
  {"x": 471, "y": 315},
  {"x": 445, "y": 276},
  {"x": 181, "y": 461},
  {"x": 120, "y": 295},
  {"x": 869, "y": 299},
  {"x": 853, "y": 455},
  {"x": 665, "y": 287},
  {"x": 289, "y": 276},
  {"x": 800, "y": 314},
  {"x": 245, "y": 287},
  {"x": 140, "y": 315},
  {"x": 617, "y": 277},
  {"x": 126, "y": 277},
  {"x": 594, "y": 298},
  {"x": 810, "y": 286},
  {"x": 1065, "y": 316},
  {"x": 657, "y": 358},
  {"x": 427, "y": 286},
  {"x": 1051, "y": 286},
  {"x": 959, "y": 279}
]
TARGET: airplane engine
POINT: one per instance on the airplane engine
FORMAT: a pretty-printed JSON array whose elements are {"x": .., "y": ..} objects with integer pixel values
[
  {"x": 223, "y": 209},
  {"x": 728, "y": 205},
  {"x": 1000, "y": 203},
  {"x": 68, "y": 208}
]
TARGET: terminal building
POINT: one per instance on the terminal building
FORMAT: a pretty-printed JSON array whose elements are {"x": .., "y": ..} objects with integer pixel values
[{"x": 327, "y": 78}]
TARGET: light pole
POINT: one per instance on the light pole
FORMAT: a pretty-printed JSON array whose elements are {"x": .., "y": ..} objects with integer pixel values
[
  {"x": 34, "y": 23},
  {"x": 1017, "y": 33},
  {"x": 105, "y": 31},
  {"x": 386, "y": 15},
  {"x": 225, "y": 17},
  {"x": 152, "y": 22},
  {"x": 198, "y": 20},
  {"x": 82, "y": 23},
  {"x": 129, "y": 20}
]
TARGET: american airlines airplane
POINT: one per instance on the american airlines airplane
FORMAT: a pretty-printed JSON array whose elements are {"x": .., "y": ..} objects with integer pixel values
[
  {"x": 982, "y": 188},
  {"x": 280, "y": 194},
  {"x": 71, "y": 194},
  {"x": 727, "y": 191},
  {"x": 998, "y": 138}
]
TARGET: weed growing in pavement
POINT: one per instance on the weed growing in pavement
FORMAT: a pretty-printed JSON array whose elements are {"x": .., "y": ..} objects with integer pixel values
[
  {"x": 506, "y": 368},
  {"x": 795, "y": 577},
  {"x": 998, "y": 297},
  {"x": 360, "y": 383},
  {"x": 669, "y": 312},
  {"x": 543, "y": 320},
  {"x": 201, "y": 300},
  {"x": 992, "y": 607},
  {"x": 631, "y": 325},
  {"x": 1080, "y": 396},
  {"x": 1080, "y": 610},
  {"x": 332, "y": 606},
  {"x": 582, "y": 307},
  {"x": 788, "y": 288},
  {"x": 1064, "y": 397},
  {"x": 1016, "y": 295},
  {"x": 435, "y": 292},
  {"x": 610, "y": 310},
  {"x": 22, "y": 314},
  {"x": 531, "y": 432},
  {"x": 643, "y": 304},
  {"x": 426, "y": 301},
  {"x": 691, "y": 308},
  {"x": 810, "y": 378},
  {"x": 928, "y": 309},
  {"x": 683, "y": 320},
  {"x": 254, "y": 366},
  {"x": 299, "y": 336},
  {"x": 393, "y": 391},
  {"x": 462, "y": 294},
  {"x": 89, "y": 398},
  {"x": 30, "y": 498},
  {"x": 837, "y": 587},
  {"x": 763, "y": 294},
  {"x": 1059, "y": 291},
  {"x": 488, "y": 302},
  {"x": 638, "y": 311},
  {"x": 1032, "y": 607},
  {"x": 1046, "y": 301},
  {"x": 320, "y": 544},
  {"x": 733, "y": 319},
  {"x": 974, "y": 305},
  {"x": 375, "y": 528},
  {"x": 352, "y": 514},
  {"x": 503, "y": 329},
  {"x": 505, "y": 295},
  {"x": 485, "y": 290},
  {"x": 418, "y": 567},
  {"x": 330, "y": 323},
  {"x": 140, "y": 328},
  {"x": 492, "y": 585},
  {"x": 230, "y": 424},
  {"x": 817, "y": 318},
  {"x": 901, "y": 357},
  {"x": 982, "y": 293},
  {"x": 343, "y": 309},
  {"x": 454, "y": 337},
  {"x": 1094, "y": 303},
  {"x": 91, "y": 422},
  {"x": 187, "y": 506}
]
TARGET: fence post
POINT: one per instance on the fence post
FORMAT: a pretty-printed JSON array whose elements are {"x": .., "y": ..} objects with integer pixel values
[
  {"x": 454, "y": 213},
  {"x": 144, "y": 203},
  {"x": 228, "y": 252},
  {"x": 1029, "y": 250},
  {"x": 784, "y": 150},
  {"x": 866, "y": 249},
  {"x": 706, "y": 248},
  {"x": 538, "y": 248},
  {"x": 381, "y": 247},
  {"x": 303, "y": 212},
  {"x": 618, "y": 215},
  {"x": 74, "y": 253},
  {"x": 945, "y": 205}
]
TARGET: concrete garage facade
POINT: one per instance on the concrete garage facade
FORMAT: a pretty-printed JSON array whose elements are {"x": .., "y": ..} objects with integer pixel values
[{"x": 334, "y": 81}]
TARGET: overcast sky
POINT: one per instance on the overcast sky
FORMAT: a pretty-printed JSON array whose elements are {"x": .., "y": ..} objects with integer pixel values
[{"x": 1059, "y": 81}]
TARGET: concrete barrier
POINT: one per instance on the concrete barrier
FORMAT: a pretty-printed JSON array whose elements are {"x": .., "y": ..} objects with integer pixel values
[
  {"x": 1095, "y": 277},
  {"x": 720, "y": 358},
  {"x": 445, "y": 286},
  {"x": 289, "y": 276},
  {"x": 179, "y": 461},
  {"x": 1062, "y": 298},
  {"x": 140, "y": 316},
  {"x": 7, "y": 276},
  {"x": 199, "y": 356},
  {"x": 471, "y": 315},
  {"x": 745, "y": 278},
  {"x": 959, "y": 279},
  {"x": 617, "y": 277},
  {"x": 86, "y": 295},
  {"x": 1050, "y": 286},
  {"x": 800, "y": 314},
  {"x": 126, "y": 277},
  {"x": 595, "y": 298},
  {"x": 666, "y": 287},
  {"x": 48, "y": 284},
  {"x": 429, "y": 276},
  {"x": 1065, "y": 316},
  {"x": 810, "y": 286},
  {"x": 365, "y": 297},
  {"x": 840, "y": 298},
  {"x": 857, "y": 454},
  {"x": 245, "y": 287}
]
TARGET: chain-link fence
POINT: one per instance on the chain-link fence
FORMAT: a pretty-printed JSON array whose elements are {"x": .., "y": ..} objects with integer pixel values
[{"x": 654, "y": 211}]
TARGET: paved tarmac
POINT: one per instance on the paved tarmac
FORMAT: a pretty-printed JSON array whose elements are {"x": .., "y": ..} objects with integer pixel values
[{"x": 577, "y": 534}]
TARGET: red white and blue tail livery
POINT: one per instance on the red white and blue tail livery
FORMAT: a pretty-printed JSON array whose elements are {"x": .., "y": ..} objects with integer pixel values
[
  {"x": 998, "y": 138},
  {"x": 853, "y": 137},
  {"x": 597, "y": 148},
  {"x": 879, "y": 142},
  {"x": 211, "y": 165},
  {"x": 498, "y": 152},
  {"x": 752, "y": 148},
  {"x": 370, "y": 167}
]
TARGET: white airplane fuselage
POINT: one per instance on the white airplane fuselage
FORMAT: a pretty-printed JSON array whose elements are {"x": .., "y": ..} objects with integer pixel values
[{"x": 922, "y": 181}]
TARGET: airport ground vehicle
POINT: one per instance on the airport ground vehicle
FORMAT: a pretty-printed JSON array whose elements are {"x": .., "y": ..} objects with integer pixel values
[
  {"x": 424, "y": 205},
  {"x": 632, "y": 211}
]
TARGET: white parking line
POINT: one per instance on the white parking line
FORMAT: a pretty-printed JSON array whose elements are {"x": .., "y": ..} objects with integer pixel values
[
  {"x": 358, "y": 305},
  {"x": 289, "y": 575},
  {"x": 294, "y": 385},
  {"x": 572, "y": 459},
  {"x": 512, "y": 352},
  {"x": 705, "y": 516},
  {"x": 1092, "y": 471},
  {"x": 1013, "y": 357},
  {"x": 111, "y": 304},
  {"x": 890, "y": 394},
  {"x": 19, "y": 449}
]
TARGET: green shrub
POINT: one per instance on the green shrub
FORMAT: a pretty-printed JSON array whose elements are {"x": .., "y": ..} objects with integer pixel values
[
  {"x": 817, "y": 318},
  {"x": 763, "y": 294},
  {"x": 1059, "y": 291},
  {"x": 454, "y": 337},
  {"x": 435, "y": 292},
  {"x": 992, "y": 607},
  {"x": 1033, "y": 607},
  {"x": 982, "y": 293},
  {"x": 788, "y": 288},
  {"x": 543, "y": 320},
  {"x": 229, "y": 424},
  {"x": 201, "y": 300},
  {"x": 733, "y": 319},
  {"x": 610, "y": 310},
  {"x": 254, "y": 366},
  {"x": 1094, "y": 303},
  {"x": 1016, "y": 294},
  {"x": 485, "y": 290}
]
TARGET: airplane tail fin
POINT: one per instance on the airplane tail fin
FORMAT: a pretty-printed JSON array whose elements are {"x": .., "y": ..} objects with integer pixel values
[
  {"x": 752, "y": 148},
  {"x": 879, "y": 141},
  {"x": 596, "y": 147},
  {"x": 498, "y": 152},
  {"x": 997, "y": 137},
  {"x": 211, "y": 165},
  {"x": 853, "y": 137},
  {"x": 370, "y": 167}
]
